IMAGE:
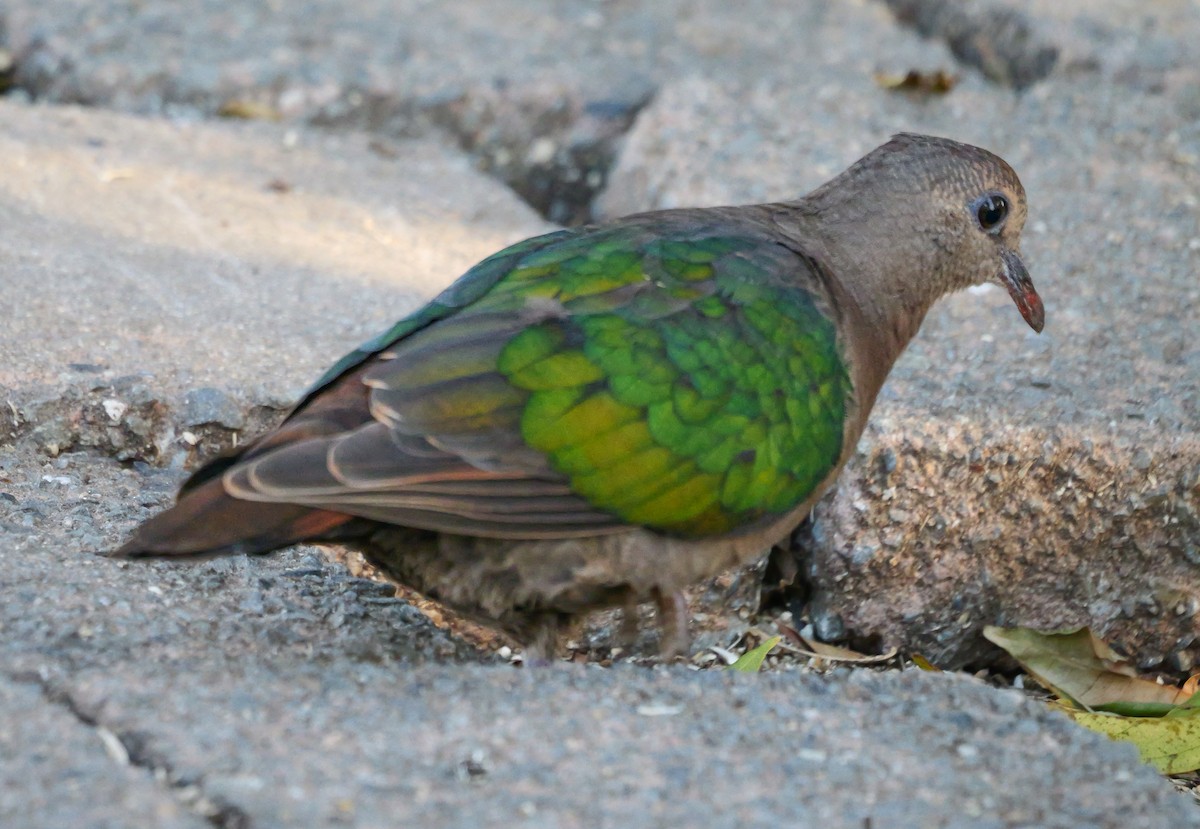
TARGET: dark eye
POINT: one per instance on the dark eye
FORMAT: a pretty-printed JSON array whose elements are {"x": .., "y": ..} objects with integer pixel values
[{"x": 992, "y": 211}]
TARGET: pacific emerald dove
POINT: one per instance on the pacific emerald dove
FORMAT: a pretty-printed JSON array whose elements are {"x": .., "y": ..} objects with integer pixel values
[{"x": 608, "y": 414}]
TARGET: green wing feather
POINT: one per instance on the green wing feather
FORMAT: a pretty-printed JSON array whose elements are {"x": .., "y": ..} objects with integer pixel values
[
  {"x": 472, "y": 285},
  {"x": 670, "y": 376},
  {"x": 714, "y": 396}
]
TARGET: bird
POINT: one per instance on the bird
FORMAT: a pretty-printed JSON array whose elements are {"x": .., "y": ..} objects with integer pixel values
[{"x": 605, "y": 415}]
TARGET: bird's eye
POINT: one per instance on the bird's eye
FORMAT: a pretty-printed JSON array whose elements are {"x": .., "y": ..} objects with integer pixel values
[{"x": 991, "y": 211}]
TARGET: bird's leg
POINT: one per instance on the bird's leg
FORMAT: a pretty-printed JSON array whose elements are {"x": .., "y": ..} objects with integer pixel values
[
  {"x": 784, "y": 581},
  {"x": 540, "y": 635},
  {"x": 627, "y": 633},
  {"x": 674, "y": 639}
]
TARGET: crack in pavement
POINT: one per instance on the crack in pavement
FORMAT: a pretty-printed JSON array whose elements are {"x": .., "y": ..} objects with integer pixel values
[{"x": 129, "y": 748}]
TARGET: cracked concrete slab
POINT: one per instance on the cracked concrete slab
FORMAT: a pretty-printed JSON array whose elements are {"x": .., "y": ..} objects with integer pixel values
[
  {"x": 1006, "y": 478},
  {"x": 66, "y": 610},
  {"x": 279, "y": 691},
  {"x": 580, "y": 747},
  {"x": 539, "y": 95},
  {"x": 60, "y": 772}
]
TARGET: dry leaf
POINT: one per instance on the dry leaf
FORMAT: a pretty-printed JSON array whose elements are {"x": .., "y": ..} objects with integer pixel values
[
  {"x": 833, "y": 653},
  {"x": 1077, "y": 666},
  {"x": 809, "y": 646},
  {"x": 937, "y": 82},
  {"x": 924, "y": 664},
  {"x": 249, "y": 110},
  {"x": 1171, "y": 743}
]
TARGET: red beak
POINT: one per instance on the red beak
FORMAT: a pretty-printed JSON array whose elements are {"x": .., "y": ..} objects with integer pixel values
[{"x": 1020, "y": 287}]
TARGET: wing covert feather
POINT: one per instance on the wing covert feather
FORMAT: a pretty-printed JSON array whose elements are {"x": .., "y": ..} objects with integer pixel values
[{"x": 684, "y": 379}]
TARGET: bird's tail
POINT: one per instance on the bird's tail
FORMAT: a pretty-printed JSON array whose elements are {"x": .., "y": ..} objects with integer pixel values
[{"x": 208, "y": 522}]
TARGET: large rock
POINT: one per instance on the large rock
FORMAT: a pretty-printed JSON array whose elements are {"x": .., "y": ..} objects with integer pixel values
[{"x": 1006, "y": 478}]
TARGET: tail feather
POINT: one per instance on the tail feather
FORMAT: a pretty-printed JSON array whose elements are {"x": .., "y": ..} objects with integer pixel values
[{"x": 208, "y": 522}]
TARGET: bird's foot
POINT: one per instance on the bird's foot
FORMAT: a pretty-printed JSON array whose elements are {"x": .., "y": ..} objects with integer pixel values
[
  {"x": 540, "y": 635},
  {"x": 674, "y": 638}
]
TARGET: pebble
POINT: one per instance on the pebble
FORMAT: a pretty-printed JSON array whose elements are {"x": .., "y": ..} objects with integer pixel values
[{"x": 210, "y": 405}]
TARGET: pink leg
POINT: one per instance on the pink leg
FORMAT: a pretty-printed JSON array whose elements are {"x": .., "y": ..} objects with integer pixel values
[
  {"x": 541, "y": 633},
  {"x": 674, "y": 639},
  {"x": 627, "y": 634}
]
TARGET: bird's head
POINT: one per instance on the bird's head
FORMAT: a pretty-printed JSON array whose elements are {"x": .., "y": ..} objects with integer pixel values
[
  {"x": 978, "y": 207},
  {"x": 958, "y": 209}
]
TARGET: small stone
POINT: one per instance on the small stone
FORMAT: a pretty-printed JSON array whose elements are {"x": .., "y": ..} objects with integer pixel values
[
  {"x": 1181, "y": 661},
  {"x": 829, "y": 627},
  {"x": 115, "y": 409},
  {"x": 862, "y": 554},
  {"x": 473, "y": 766},
  {"x": 209, "y": 405},
  {"x": 540, "y": 152}
]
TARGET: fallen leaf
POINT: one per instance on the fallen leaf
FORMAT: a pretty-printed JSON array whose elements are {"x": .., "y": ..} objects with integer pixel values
[
  {"x": 726, "y": 656},
  {"x": 1171, "y": 744},
  {"x": 8, "y": 70},
  {"x": 937, "y": 82},
  {"x": 1077, "y": 666},
  {"x": 249, "y": 110},
  {"x": 924, "y": 664},
  {"x": 833, "y": 653},
  {"x": 809, "y": 646},
  {"x": 751, "y": 661}
]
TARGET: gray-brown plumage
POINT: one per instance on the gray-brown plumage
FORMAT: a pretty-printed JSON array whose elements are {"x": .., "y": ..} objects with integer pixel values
[{"x": 606, "y": 415}]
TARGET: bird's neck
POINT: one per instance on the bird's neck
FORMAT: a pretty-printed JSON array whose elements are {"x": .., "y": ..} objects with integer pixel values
[
  {"x": 891, "y": 316},
  {"x": 885, "y": 284},
  {"x": 887, "y": 323}
]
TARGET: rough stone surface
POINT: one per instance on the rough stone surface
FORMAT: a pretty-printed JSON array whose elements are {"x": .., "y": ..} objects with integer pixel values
[
  {"x": 1006, "y": 478},
  {"x": 539, "y": 94},
  {"x": 279, "y": 692},
  {"x": 57, "y": 773},
  {"x": 67, "y": 608},
  {"x": 577, "y": 747},
  {"x": 212, "y": 271},
  {"x": 998, "y": 40}
]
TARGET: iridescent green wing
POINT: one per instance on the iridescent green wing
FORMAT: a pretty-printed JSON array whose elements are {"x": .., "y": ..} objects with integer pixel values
[
  {"x": 684, "y": 379},
  {"x": 472, "y": 285},
  {"x": 465, "y": 290}
]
